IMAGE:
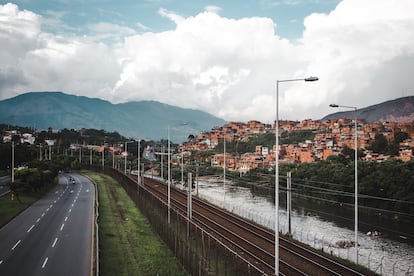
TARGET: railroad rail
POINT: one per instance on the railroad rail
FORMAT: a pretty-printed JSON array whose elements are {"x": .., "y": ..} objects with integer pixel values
[{"x": 253, "y": 241}]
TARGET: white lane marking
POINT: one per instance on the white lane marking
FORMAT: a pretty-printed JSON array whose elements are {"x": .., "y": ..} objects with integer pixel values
[
  {"x": 63, "y": 225},
  {"x": 43, "y": 214},
  {"x": 45, "y": 262},
  {"x": 66, "y": 219},
  {"x": 47, "y": 210},
  {"x": 30, "y": 229},
  {"x": 72, "y": 205},
  {"x": 38, "y": 220},
  {"x": 56, "y": 192},
  {"x": 17, "y": 243},
  {"x": 51, "y": 205},
  {"x": 54, "y": 243},
  {"x": 54, "y": 201},
  {"x": 70, "y": 210},
  {"x": 1, "y": 261}
]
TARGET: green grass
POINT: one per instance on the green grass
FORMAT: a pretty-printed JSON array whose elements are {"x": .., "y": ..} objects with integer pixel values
[
  {"x": 128, "y": 245},
  {"x": 11, "y": 207}
]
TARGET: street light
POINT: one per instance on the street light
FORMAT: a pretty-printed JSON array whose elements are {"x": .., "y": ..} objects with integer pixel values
[
  {"x": 113, "y": 156},
  {"x": 12, "y": 172},
  {"x": 169, "y": 177},
  {"x": 169, "y": 172},
  {"x": 224, "y": 171},
  {"x": 139, "y": 163},
  {"x": 103, "y": 156},
  {"x": 126, "y": 154},
  {"x": 277, "y": 169},
  {"x": 182, "y": 166},
  {"x": 356, "y": 174},
  {"x": 125, "y": 157}
]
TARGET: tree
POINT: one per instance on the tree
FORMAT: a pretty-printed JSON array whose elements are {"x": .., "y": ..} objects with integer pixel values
[
  {"x": 380, "y": 144},
  {"x": 191, "y": 138},
  {"x": 400, "y": 136}
]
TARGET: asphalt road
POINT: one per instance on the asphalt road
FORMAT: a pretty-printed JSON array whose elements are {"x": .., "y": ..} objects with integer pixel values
[
  {"x": 53, "y": 236},
  {"x": 3, "y": 181}
]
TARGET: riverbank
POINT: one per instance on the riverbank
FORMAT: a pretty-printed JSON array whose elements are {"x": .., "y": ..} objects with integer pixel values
[{"x": 379, "y": 254}]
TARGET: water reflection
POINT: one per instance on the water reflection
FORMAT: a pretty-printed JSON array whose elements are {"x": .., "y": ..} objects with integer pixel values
[{"x": 380, "y": 254}]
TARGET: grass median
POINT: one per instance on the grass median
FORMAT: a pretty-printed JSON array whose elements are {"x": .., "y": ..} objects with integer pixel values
[
  {"x": 11, "y": 206},
  {"x": 128, "y": 245}
]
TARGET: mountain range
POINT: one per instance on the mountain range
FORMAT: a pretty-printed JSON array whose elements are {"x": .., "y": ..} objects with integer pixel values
[
  {"x": 398, "y": 110},
  {"x": 148, "y": 120}
]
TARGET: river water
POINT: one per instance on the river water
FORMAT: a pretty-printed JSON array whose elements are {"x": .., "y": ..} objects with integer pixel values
[{"x": 382, "y": 255}]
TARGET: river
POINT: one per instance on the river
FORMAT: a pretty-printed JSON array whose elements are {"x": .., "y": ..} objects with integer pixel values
[{"x": 381, "y": 254}]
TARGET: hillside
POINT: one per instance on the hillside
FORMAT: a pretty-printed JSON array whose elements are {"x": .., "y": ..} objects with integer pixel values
[
  {"x": 401, "y": 110},
  {"x": 145, "y": 119}
]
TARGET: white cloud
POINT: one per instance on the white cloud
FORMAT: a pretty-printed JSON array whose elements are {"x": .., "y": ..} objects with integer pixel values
[
  {"x": 142, "y": 26},
  {"x": 207, "y": 62},
  {"x": 350, "y": 52},
  {"x": 171, "y": 15},
  {"x": 213, "y": 9},
  {"x": 104, "y": 31},
  {"x": 362, "y": 52},
  {"x": 33, "y": 60}
]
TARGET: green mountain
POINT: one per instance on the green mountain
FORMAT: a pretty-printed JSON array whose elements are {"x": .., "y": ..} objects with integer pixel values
[
  {"x": 398, "y": 110},
  {"x": 149, "y": 120}
]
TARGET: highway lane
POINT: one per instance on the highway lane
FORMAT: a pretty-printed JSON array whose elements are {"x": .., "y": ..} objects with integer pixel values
[{"x": 54, "y": 235}]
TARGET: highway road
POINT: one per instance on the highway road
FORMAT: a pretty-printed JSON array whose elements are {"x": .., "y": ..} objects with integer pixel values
[
  {"x": 55, "y": 235},
  {"x": 3, "y": 188}
]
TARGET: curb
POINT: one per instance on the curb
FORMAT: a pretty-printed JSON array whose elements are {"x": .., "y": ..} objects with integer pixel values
[{"x": 95, "y": 229}]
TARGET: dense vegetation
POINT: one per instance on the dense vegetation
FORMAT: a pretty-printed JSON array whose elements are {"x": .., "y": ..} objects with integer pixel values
[
  {"x": 381, "y": 144},
  {"x": 384, "y": 185}
]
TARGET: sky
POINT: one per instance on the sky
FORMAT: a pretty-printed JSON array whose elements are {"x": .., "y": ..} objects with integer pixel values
[{"x": 222, "y": 57}]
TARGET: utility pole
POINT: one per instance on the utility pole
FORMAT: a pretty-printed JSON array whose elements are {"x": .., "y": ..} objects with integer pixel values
[
  {"x": 289, "y": 201},
  {"x": 12, "y": 172}
]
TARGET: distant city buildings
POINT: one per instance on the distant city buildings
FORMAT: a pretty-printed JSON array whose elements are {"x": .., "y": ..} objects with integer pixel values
[{"x": 331, "y": 137}]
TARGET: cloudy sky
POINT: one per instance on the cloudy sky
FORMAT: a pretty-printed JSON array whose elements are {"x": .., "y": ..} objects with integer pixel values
[{"x": 223, "y": 57}]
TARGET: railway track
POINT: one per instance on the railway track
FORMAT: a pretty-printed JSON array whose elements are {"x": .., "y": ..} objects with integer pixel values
[{"x": 254, "y": 242}]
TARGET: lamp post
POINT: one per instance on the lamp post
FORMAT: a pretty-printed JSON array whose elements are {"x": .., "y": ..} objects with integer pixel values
[
  {"x": 169, "y": 177},
  {"x": 12, "y": 172},
  {"x": 103, "y": 156},
  {"x": 113, "y": 156},
  {"x": 356, "y": 174},
  {"x": 169, "y": 171},
  {"x": 162, "y": 162},
  {"x": 224, "y": 171},
  {"x": 126, "y": 154},
  {"x": 182, "y": 166},
  {"x": 277, "y": 169},
  {"x": 139, "y": 162}
]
